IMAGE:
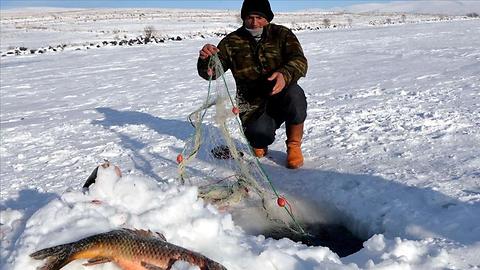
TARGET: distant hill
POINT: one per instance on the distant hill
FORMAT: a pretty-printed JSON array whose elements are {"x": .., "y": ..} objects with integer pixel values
[{"x": 446, "y": 7}]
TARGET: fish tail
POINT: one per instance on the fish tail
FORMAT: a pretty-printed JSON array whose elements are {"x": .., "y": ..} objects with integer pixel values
[{"x": 57, "y": 256}]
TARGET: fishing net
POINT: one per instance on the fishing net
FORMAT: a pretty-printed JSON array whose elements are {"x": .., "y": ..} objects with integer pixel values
[{"x": 219, "y": 160}]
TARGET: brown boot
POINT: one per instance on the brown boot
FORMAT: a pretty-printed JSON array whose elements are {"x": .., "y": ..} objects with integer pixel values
[
  {"x": 294, "y": 143},
  {"x": 260, "y": 152}
]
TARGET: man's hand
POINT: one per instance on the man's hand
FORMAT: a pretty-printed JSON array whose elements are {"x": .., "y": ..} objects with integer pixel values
[
  {"x": 207, "y": 51},
  {"x": 279, "y": 82}
]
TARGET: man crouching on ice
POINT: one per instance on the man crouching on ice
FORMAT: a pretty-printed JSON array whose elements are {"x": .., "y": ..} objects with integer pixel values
[{"x": 266, "y": 61}]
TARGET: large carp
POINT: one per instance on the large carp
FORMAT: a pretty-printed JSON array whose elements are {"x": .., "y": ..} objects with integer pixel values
[{"x": 128, "y": 249}]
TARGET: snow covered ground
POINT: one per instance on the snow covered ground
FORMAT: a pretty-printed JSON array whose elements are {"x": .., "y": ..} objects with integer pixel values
[
  {"x": 37, "y": 28},
  {"x": 458, "y": 7},
  {"x": 391, "y": 148}
]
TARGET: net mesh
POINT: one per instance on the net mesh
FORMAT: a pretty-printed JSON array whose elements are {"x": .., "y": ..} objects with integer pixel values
[{"x": 219, "y": 159}]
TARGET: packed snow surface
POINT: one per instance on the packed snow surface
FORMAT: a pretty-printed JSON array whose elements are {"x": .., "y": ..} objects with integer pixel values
[{"x": 391, "y": 149}]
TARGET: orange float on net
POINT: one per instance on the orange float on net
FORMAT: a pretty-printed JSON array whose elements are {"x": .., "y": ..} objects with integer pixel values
[
  {"x": 179, "y": 158},
  {"x": 210, "y": 72},
  {"x": 281, "y": 201},
  {"x": 235, "y": 110}
]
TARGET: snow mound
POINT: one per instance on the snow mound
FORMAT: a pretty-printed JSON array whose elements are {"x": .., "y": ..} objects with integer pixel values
[
  {"x": 175, "y": 211},
  {"x": 140, "y": 202}
]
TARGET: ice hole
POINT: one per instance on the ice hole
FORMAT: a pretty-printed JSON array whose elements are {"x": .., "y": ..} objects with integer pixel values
[
  {"x": 334, "y": 236},
  {"x": 324, "y": 225}
]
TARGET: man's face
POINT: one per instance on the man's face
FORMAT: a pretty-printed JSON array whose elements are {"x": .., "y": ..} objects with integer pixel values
[{"x": 255, "y": 21}]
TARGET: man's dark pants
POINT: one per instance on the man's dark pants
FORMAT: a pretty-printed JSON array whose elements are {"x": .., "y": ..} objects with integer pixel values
[{"x": 289, "y": 106}]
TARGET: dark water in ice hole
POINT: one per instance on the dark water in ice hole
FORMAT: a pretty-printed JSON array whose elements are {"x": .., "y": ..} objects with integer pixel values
[{"x": 336, "y": 237}]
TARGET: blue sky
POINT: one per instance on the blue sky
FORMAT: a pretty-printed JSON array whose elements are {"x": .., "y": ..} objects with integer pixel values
[{"x": 277, "y": 5}]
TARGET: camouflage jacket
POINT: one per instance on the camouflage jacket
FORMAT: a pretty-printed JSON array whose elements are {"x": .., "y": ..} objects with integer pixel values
[{"x": 252, "y": 62}]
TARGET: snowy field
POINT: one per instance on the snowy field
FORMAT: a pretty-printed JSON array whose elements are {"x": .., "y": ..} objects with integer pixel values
[
  {"x": 80, "y": 28},
  {"x": 391, "y": 147}
]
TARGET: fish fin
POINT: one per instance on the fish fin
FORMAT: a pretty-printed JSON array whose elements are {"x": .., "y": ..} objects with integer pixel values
[
  {"x": 161, "y": 236},
  {"x": 97, "y": 260},
  {"x": 57, "y": 256},
  {"x": 147, "y": 233},
  {"x": 92, "y": 178},
  {"x": 139, "y": 232},
  {"x": 150, "y": 266}
]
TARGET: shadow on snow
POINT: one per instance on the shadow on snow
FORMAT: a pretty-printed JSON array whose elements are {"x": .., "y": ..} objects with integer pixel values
[
  {"x": 27, "y": 202},
  {"x": 369, "y": 204},
  {"x": 175, "y": 128}
]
